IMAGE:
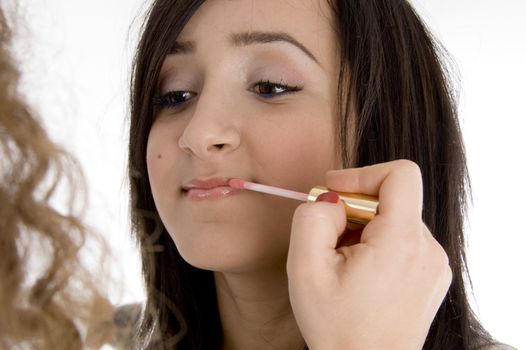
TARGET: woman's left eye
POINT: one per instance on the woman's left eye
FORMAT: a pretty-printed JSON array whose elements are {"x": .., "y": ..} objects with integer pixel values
[{"x": 267, "y": 89}]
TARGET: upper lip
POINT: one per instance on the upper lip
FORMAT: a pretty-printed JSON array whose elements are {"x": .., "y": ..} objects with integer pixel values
[{"x": 206, "y": 184}]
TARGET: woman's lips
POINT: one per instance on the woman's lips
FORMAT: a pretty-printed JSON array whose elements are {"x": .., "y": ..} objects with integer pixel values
[
  {"x": 212, "y": 188},
  {"x": 210, "y": 193}
]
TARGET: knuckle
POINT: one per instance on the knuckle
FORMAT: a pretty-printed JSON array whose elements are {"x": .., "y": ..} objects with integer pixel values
[
  {"x": 444, "y": 258},
  {"x": 448, "y": 275},
  {"x": 441, "y": 261},
  {"x": 444, "y": 274},
  {"x": 409, "y": 166},
  {"x": 440, "y": 254},
  {"x": 446, "y": 268}
]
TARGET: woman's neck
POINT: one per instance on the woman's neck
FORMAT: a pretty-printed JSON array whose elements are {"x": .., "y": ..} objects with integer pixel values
[{"x": 255, "y": 311}]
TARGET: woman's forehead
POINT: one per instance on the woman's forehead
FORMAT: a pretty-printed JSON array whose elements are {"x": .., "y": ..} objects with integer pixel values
[{"x": 306, "y": 21}]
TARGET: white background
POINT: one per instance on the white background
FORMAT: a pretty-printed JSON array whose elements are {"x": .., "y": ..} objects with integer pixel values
[{"x": 76, "y": 56}]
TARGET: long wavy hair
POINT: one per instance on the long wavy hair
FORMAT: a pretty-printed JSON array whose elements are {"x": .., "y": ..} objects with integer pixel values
[
  {"x": 48, "y": 297},
  {"x": 397, "y": 101}
]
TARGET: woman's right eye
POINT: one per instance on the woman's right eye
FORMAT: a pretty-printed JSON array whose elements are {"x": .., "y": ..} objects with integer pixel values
[{"x": 173, "y": 99}]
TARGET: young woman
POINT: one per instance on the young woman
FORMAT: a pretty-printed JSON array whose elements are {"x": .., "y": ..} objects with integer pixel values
[{"x": 347, "y": 94}]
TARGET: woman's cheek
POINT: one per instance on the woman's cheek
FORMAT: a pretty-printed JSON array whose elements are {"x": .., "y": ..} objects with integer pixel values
[
  {"x": 154, "y": 159},
  {"x": 305, "y": 145},
  {"x": 158, "y": 159}
]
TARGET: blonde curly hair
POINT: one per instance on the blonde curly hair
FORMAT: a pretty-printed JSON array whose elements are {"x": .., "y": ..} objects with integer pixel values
[{"x": 47, "y": 295}]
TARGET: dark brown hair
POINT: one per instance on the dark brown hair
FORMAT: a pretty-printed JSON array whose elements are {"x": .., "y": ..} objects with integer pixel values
[{"x": 396, "y": 102}]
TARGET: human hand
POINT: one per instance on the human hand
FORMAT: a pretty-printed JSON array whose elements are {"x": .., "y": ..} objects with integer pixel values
[{"x": 384, "y": 291}]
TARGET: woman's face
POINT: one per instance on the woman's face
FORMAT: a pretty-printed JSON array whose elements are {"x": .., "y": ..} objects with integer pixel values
[{"x": 249, "y": 92}]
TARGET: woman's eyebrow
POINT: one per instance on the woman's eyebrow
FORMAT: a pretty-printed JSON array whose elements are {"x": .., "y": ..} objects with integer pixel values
[{"x": 248, "y": 38}]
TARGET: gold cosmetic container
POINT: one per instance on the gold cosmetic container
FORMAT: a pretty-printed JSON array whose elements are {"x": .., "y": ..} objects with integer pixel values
[{"x": 360, "y": 208}]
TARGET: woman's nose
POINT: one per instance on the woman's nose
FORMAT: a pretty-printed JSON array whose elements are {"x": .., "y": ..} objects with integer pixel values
[{"x": 211, "y": 131}]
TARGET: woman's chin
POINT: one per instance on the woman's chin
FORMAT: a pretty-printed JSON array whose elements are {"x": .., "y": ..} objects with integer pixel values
[
  {"x": 232, "y": 258},
  {"x": 230, "y": 248}
]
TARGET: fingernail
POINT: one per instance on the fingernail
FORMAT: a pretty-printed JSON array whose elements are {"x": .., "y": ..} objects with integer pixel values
[{"x": 331, "y": 197}]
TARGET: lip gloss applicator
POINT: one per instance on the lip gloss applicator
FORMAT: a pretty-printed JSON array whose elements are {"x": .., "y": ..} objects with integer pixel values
[{"x": 360, "y": 208}]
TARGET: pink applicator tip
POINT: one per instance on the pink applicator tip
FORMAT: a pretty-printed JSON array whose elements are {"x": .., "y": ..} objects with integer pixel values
[{"x": 237, "y": 183}]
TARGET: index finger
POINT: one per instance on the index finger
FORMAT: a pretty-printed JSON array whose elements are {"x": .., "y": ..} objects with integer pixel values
[{"x": 398, "y": 185}]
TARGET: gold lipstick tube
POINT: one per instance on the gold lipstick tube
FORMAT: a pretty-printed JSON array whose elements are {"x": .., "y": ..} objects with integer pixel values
[{"x": 360, "y": 208}]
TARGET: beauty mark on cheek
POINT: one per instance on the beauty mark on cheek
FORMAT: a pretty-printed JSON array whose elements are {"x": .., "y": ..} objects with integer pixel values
[{"x": 159, "y": 156}]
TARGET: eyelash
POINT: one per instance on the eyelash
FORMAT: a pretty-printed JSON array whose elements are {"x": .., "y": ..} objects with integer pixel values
[
  {"x": 175, "y": 99},
  {"x": 172, "y": 99},
  {"x": 286, "y": 89}
]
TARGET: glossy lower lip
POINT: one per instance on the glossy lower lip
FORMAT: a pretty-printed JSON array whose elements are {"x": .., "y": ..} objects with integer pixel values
[{"x": 219, "y": 192}]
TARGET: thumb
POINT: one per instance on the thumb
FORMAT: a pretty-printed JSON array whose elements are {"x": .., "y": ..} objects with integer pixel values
[{"x": 315, "y": 230}]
